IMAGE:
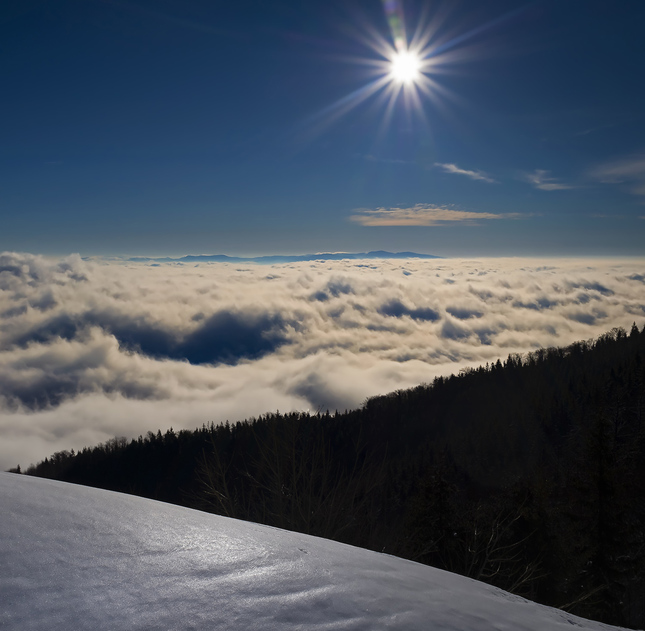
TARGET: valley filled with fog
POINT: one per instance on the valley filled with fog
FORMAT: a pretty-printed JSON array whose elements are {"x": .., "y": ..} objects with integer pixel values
[{"x": 91, "y": 349}]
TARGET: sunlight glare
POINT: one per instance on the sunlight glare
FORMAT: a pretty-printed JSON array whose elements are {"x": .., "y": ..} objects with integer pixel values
[{"x": 405, "y": 67}]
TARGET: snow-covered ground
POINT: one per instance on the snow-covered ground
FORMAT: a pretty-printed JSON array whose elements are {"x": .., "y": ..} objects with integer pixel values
[{"x": 74, "y": 558}]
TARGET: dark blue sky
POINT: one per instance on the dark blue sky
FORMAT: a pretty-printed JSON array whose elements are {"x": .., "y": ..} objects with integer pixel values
[{"x": 169, "y": 127}]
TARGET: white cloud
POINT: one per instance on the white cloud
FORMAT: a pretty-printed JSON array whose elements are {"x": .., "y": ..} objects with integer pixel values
[
  {"x": 422, "y": 215},
  {"x": 541, "y": 180},
  {"x": 629, "y": 171},
  {"x": 473, "y": 175},
  {"x": 91, "y": 350}
]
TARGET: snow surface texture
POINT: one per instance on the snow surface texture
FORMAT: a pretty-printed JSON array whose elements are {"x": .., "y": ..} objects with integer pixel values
[{"x": 74, "y": 557}]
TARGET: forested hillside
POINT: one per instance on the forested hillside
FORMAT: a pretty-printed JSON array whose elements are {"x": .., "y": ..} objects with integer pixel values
[{"x": 528, "y": 474}]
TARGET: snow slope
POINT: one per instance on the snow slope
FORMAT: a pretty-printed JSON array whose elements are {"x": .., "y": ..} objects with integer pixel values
[{"x": 74, "y": 558}]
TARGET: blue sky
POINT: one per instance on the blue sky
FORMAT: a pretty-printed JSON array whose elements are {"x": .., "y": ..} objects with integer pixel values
[{"x": 169, "y": 128}]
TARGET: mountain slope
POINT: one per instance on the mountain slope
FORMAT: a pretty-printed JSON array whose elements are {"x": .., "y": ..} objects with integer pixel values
[{"x": 79, "y": 558}]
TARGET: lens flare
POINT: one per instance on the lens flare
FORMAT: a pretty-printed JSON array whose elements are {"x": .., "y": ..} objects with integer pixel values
[{"x": 404, "y": 67}]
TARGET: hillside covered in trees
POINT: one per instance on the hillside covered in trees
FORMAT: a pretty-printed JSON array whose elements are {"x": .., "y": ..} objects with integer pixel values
[{"x": 527, "y": 474}]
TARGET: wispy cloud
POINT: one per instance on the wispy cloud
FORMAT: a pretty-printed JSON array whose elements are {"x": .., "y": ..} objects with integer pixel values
[
  {"x": 422, "y": 215},
  {"x": 473, "y": 175},
  {"x": 629, "y": 171},
  {"x": 541, "y": 180},
  {"x": 593, "y": 130}
]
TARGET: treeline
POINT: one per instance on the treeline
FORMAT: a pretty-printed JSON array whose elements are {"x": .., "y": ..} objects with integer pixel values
[{"x": 528, "y": 474}]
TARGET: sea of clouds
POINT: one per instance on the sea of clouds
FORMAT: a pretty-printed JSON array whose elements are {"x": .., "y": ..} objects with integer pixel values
[{"x": 94, "y": 349}]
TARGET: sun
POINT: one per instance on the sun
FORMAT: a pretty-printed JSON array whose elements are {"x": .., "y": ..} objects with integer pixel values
[
  {"x": 402, "y": 70},
  {"x": 405, "y": 67}
]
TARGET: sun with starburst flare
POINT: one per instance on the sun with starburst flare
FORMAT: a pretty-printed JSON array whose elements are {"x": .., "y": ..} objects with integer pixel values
[
  {"x": 401, "y": 70},
  {"x": 405, "y": 67}
]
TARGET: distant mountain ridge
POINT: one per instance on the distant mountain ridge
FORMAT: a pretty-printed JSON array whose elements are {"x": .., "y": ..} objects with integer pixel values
[{"x": 297, "y": 258}]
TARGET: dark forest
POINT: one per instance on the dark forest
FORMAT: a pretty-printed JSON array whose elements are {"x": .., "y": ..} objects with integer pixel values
[{"x": 527, "y": 474}]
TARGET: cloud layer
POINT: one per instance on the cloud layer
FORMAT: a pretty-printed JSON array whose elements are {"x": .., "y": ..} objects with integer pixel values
[{"x": 89, "y": 350}]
